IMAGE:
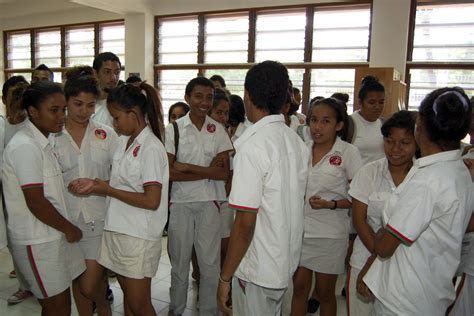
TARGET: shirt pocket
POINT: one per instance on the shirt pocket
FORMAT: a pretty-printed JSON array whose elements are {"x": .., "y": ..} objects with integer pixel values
[
  {"x": 333, "y": 179},
  {"x": 99, "y": 152},
  {"x": 186, "y": 148},
  {"x": 208, "y": 146},
  {"x": 376, "y": 204}
]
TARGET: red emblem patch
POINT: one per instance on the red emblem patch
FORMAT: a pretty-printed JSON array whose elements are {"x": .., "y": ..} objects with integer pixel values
[
  {"x": 135, "y": 151},
  {"x": 100, "y": 134},
  {"x": 211, "y": 128},
  {"x": 335, "y": 160}
]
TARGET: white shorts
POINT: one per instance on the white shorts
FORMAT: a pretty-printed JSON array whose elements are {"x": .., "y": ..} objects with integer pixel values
[
  {"x": 129, "y": 256},
  {"x": 357, "y": 305},
  {"x": 227, "y": 219},
  {"x": 48, "y": 268},
  {"x": 91, "y": 238},
  {"x": 324, "y": 255}
]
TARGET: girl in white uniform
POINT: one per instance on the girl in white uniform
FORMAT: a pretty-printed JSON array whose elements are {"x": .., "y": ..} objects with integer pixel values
[
  {"x": 418, "y": 249},
  {"x": 326, "y": 231},
  {"x": 84, "y": 150},
  {"x": 137, "y": 196},
  {"x": 370, "y": 188},
  {"x": 43, "y": 242}
]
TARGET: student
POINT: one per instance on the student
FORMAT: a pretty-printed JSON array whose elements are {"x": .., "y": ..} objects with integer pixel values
[
  {"x": 137, "y": 191},
  {"x": 297, "y": 98},
  {"x": 418, "y": 248},
  {"x": 366, "y": 134},
  {"x": 268, "y": 196},
  {"x": 43, "y": 241},
  {"x": 370, "y": 188},
  {"x": 107, "y": 67},
  {"x": 238, "y": 122},
  {"x": 194, "y": 218},
  {"x": 9, "y": 84},
  {"x": 326, "y": 233},
  {"x": 84, "y": 150},
  {"x": 177, "y": 111},
  {"x": 42, "y": 73},
  {"x": 218, "y": 82}
]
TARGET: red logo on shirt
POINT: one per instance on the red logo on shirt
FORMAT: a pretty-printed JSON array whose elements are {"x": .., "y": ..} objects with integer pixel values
[
  {"x": 211, "y": 128},
  {"x": 100, "y": 134},
  {"x": 335, "y": 160},
  {"x": 135, "y": 151}
]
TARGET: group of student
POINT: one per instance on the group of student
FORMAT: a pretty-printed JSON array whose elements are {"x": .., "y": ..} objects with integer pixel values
[{"x": 254, "y": 194}]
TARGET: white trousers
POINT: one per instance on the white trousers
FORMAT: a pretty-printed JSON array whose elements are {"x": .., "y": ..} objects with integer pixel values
[
  {"x": 249, "y": 299},
  {"x": 198, "y": 224}
]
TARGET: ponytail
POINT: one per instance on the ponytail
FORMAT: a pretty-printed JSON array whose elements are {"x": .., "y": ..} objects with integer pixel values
[{"x": 152, "y": 109}]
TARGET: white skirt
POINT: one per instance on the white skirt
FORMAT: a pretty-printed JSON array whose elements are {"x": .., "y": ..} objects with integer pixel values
[{"x": 324, "y": 255}]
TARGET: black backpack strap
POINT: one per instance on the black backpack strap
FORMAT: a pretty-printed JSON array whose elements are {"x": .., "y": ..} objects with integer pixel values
[{"x": 351, "y": 130}]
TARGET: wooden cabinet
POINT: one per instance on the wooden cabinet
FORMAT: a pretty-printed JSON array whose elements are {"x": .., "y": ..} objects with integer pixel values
[{"x": 395, "y": 89}]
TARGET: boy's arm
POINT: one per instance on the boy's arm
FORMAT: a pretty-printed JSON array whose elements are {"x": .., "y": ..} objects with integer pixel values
[
  {"x": 176, "y": 175},
  {"x": 211, "y": 172}
]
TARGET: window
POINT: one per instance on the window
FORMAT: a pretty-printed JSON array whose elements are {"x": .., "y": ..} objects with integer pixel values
[
  {"x": 178, "y": 41},
  {"x": 325, "y": 82},
  {"x": 234, "y": 79},
  {"x": 112, "y": 39},
  {"x": 48, "y": 47},
  {"x": 19, "y": 50},
  {"x": 79, "y": 46}
]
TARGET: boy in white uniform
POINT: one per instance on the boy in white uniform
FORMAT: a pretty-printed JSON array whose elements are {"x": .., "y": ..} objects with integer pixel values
[
  {"x": 270, "y": 171},
  {"x": 194, "y": 217}
]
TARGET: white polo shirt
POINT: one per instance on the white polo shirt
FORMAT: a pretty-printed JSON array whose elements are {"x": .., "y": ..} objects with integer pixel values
[
  {"x": 3, "y": 229},
  {"x": 329, "y": 179},
  {"x": 29, "y": 162},
  {"x": 368, "y": 138},
  {"x": 102, "y": 114},
  {"x": 92, "y": 160},
  {"x": 372, "y": 185},
  {"x": 144, "y": 163},
  {"x": 11, "y": 130},
  {"x": 270, "y": 172},
  {"x": 197, "y": 147},
  {"x": 428, "y": 213}
]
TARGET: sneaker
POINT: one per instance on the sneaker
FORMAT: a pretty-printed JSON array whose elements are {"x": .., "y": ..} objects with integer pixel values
[
  {"x": 12, "y": 274},
  {"x": 18, "y": 297},
  {"x": 313, "y": 305},
  {"x": 109, "y": 295}
]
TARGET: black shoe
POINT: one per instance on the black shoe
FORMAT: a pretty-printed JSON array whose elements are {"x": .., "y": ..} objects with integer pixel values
[
  {"x": 313, "y": 305},
  {"x": 343, "y": 292},
  {"x": 109, "y": 295}
]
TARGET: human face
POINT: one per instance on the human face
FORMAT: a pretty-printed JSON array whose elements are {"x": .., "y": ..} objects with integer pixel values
[
  {"x": 81, "y": 107},
  {"x": 297, "y": 97},
  {"x": 178, "y": 112},
  {"x": 399, "y": 146},
  {"x": 323, "y": 124},
  {"x": 217, "y": 84},
  {"x": 108, "y": 75},
  {"x": 372, "y": 106},
  {"x": 200, "y": 100},
  {"x": 221, "y": 112},
  {"x": 124, "y": 122},
  {"x": 49, "y": 116},
  {"x": 41, "y": 75}
]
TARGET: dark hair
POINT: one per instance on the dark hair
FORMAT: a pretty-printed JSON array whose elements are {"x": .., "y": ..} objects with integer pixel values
[
  {"x": 11, "y": 82},
  {"x": 177, "y": 105},
  {"x": 236, "y": 110},
  {"x": 446, "y": 114},
  {"x": 77, "y": 84},
  {"x": 218, "y": 78},
  {"x": 267, "y": 86},
  {"x": 198, "y": 81},
  {"x": 343, "y": 97},
  {"x": 401, "y": 119},
  {"x": 219, "y": 95},
  {"x": 338, "y": 108},
  {"x": 296, "y": 90},
  {"x": 77, "y": 71},
  {"x": 39, "y": 91},
  {"x": 102, "y": 58},
  {"x": 291, "y": 100},
  {"x": 43, "y": 67},
  {"x": 369, "y": 83},
  {"x": 129, "y": 96},
  {"x": 133, "y": 79}
]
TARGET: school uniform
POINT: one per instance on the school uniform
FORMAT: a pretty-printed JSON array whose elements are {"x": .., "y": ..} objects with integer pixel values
[
  {"x": 326, "y": 231},
  {"x": 241, "y": 129},
  {"x": 131, "y": 245},
  {"x": 93, "y": 159},
  {"x": 194, "y": 213},
  {"x": 102, "y": 114},
  {"x": 11, "y": 130},
  {"x": 44, "y": 258},
  {"x": 429, "y": 213},
  {"x": 372, "y": 185},
  {"x": 368, "y": 138},
  {"x": 274, "y": 189}
]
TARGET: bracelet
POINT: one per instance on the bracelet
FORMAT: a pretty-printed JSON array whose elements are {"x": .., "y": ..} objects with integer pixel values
[
  {"x": 224, "y": 281},
  {"x": 335, "y": 205}
]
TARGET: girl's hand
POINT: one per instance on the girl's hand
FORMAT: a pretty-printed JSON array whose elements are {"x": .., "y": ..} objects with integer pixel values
[
  {"x": 81, "y": 186},
  {"x": 182, "y": 167},
  {"x": 361, "y": 287},
  {"x": 317, "y": 203}
]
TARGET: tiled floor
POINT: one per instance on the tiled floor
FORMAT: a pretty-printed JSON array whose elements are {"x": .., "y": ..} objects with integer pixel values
[{"x": 160, "y": 292}]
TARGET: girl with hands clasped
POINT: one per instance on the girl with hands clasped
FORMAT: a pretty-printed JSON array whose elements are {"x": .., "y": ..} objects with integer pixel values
[
  {"x": 137, "y": 191},
  {"x": 326, "y": 231},
  {"x": 43, "y": 241}
]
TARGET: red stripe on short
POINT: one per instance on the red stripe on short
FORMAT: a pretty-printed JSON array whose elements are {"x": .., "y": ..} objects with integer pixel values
[{"x": 35, "y": 271}]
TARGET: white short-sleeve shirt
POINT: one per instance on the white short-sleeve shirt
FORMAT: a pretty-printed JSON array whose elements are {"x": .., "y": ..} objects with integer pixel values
[
  {"x": 92, "y": 160},
  {"x": 11, "y": 130},
  {"x": 102, "y": 114},
  {"x": 372, "y": 185},
  {"x": 197, "y": 147},
  {"x": 29, "y": 162},
  {"x": 270, "y": 173},
  {"x": 143, "y": 163},
  {"x": 329, "y": 179},
  {"x": 428, "y": 213},
  {"x": 368, "y": 138}
]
